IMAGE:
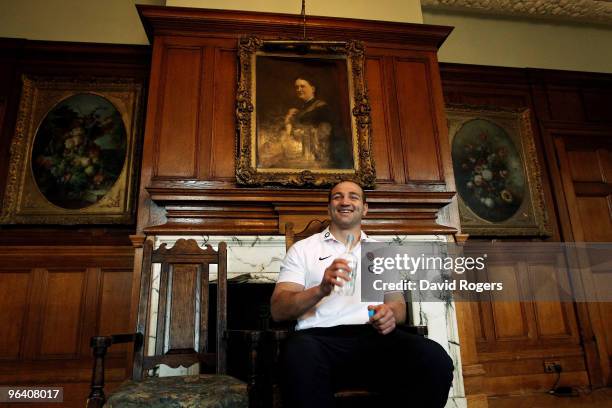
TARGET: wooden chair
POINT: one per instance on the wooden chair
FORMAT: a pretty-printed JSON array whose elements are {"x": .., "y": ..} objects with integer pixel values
[
  {"x": 352, "y": 397},
  {"x": 182, "y": 336}
]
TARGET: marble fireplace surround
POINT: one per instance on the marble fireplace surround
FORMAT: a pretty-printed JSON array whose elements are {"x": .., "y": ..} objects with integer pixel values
[{"x": 256, "y": 259}]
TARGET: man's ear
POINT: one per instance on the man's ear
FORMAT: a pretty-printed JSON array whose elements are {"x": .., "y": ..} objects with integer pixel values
[
  {"x": 365, "y": 209},
  {"x": 329, "y": 210}
]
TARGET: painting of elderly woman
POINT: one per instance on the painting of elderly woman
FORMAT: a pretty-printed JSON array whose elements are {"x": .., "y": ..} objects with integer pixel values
[{"x": 303, "y": 113}]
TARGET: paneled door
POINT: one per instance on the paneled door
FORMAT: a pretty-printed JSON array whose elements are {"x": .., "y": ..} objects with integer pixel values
[{"x": 584, "y": 161}]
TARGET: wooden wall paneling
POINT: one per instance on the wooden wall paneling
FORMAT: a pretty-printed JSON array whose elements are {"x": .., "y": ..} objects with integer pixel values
[
  {"x": 178, "y": 127},
  {"x": 222, "y": 140},
  {"x": 53, "y": 318},
  {"x": 31, "y": 333},
  {"x": 472, "y": 369},
  {"x": 381, "y": 135},
  {"x": 418, "y": 125},
  {"x": 565, "y": 97},
  {"x": 487, "y": 326},
  {"x": 205, "y": 115},
  {"x": 113, "y": 298},
  {"x": 592, "y": 208},
  {"x": 598, "y": 104},
  {"x": 407, "y": 114},
  {"x": 554, "y": 319},
  {"x": 512, "y": 320},
  {"x": 15, "y": 287},
  {"x": 484, "y": 86},
  {"x": 565, "y": 104},
  {"x": 62, "y": 313},
  {"x": 441, "y": 126},
  {"x": 477, "y": 313},
  {"x": 396, "y": 156},
  {"x": 90, "y": 310}
]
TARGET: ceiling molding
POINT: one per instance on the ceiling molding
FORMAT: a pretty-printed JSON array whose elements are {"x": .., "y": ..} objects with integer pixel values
[{"x": 584, "y": 11}]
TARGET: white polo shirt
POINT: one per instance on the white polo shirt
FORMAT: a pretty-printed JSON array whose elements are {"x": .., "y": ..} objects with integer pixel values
[{"x": 305, "y": 264}]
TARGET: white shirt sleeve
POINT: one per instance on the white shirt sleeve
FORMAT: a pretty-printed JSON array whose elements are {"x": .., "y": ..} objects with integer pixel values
[{"x": 293, "y": 268}]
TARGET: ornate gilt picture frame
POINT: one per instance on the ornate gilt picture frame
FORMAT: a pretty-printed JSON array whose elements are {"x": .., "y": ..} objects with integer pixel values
[
  {"x": 303, "y": 115},
  {"x": 497, "y": 173},
  {"x": 74, "y": 154}
]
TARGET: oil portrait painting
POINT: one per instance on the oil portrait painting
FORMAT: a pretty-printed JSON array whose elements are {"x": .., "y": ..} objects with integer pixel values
[
  {"x": 303, "y": 114},
  {"x": 303, "y": 118}
]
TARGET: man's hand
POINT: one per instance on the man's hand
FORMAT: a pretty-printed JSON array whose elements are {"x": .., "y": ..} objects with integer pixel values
[
  {"x": 335, "y": 275},
  {"x": 383, "y": 319}
]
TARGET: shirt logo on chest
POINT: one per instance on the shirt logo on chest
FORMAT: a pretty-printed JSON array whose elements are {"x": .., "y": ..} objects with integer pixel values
[{"x": 321, "y": 258}]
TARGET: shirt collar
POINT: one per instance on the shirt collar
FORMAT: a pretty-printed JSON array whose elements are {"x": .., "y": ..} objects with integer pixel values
[{"x": 326, "y": 235}]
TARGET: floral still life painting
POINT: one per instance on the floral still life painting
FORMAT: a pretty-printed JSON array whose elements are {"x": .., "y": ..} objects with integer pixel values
[
  {"x": 496, "y": 172},
  {"x": 488, "y": 170},
  {"x": 74, "y": 152},
  {"x": 79, "y": 151}
]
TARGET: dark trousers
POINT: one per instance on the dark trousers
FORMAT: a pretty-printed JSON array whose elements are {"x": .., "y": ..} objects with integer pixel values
[{"x": 406, "y": 369}]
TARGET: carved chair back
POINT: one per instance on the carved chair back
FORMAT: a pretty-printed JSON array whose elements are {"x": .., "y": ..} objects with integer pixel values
[{"x": 181, "y": 316}]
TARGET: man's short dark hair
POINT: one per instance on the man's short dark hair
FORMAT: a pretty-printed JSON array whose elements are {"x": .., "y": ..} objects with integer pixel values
[{"x": 363, "y": 194}]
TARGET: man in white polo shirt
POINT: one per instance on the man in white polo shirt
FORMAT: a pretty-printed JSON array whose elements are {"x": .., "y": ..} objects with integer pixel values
[{"x": 336, "y": 343}]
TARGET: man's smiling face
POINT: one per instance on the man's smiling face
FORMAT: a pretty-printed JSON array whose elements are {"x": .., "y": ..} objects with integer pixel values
[{"x": 346, "y": 206}]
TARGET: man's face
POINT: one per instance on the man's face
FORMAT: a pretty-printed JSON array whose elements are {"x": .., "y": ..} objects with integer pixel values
[
  {"x": 346, "y": 207},
  {"x": 304, "y": 90}
]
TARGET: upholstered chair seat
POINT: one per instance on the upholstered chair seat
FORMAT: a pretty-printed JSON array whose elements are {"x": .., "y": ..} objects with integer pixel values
[{"x": 192, "y": 391}]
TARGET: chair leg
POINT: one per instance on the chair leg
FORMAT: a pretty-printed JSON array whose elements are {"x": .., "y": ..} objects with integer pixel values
[
  {"x": 253, "y": 386},
  {"x": 96, "y": 397}
]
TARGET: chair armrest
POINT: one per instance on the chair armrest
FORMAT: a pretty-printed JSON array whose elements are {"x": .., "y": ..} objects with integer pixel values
[{"x": 100, "y": 345}]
